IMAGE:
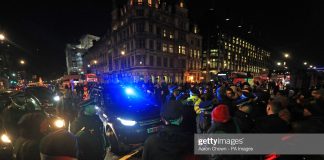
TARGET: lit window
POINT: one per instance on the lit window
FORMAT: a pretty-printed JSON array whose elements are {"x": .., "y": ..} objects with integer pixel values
[
  {"x": 183, "y": 50},
  {"x": 140, "y": 1},
  {"x": 150, "y": 2},
  {"x": 198, "y": 54},
  {"x": 195, "y": 29},
  {"x": 164, "y": 33},
  {"x": 171, "y": 48},
  {"x": 194, "y": 53},
  {"x": 164, "y": 47},
  {"x": 179, "y": 49},
  {"x": 181, "y": 4},
  {"x": 171, "y": 35}
]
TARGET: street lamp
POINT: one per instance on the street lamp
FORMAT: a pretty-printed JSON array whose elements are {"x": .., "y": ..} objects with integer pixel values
[
  {"x": 305, "y": 63},
  {"x": 2, "y": 37},
  {"x": 22, "y": 62},
  {"x": 89, "y": 65},
  {"x": 279, "y": 63},
  {"x": 286, "y": 55},
  {"x": 311, "y": 66},
  {"x": 122, "y": 52},
  {"x": 95, "y": 61}
]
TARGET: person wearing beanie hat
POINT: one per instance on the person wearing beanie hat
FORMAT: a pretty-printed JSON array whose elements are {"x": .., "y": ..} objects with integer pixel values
[
  {"x": 171, "y": 142},
  {"x": 222, "y": 122},
  {"x": 59, "y": 145},
  {"x": 89, "y": 130}
]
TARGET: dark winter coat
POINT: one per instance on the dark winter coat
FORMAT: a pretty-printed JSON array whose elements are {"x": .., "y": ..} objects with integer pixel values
[
  {"x": 244, "y": 121},
  {"x": 271, "y": 124},
  {"x": 91, "y": 139},
  {"x": 171, "y": 143}
]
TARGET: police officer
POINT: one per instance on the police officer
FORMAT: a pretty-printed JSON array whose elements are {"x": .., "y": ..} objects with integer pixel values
[{"x": 90, "y": 132}]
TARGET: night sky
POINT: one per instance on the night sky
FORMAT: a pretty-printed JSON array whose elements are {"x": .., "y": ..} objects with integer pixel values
[{"x": 43, "y": 29}]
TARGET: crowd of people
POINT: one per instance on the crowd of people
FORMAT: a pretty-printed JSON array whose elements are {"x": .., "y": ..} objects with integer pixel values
[
  {"x": 231, "y": 108},
  {"x": 186, "y": 109}
]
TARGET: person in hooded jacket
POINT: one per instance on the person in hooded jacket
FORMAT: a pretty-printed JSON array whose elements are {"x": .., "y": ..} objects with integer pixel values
[
  {"x": 172, "y": 142},
  {"x": 32, "y": 128},
  {"x": 88, "y": 127}
]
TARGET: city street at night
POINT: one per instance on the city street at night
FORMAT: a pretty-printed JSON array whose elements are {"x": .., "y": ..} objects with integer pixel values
[{"x": 161, "y": 80}]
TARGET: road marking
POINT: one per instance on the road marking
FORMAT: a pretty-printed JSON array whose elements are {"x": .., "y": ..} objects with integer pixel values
[{"x": 131, "y": 154}]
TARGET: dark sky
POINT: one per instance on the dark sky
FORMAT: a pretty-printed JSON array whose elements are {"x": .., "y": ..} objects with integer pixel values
[{"x": 296, "y": 27}]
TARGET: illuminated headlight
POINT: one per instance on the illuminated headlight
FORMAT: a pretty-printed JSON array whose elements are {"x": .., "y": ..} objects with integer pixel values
[
  {"x": 59, "y": 123},
  {"x": 5, "y": 138},
  {"x": 56, "y": 98},
  {"x": 126, "y": 122}
]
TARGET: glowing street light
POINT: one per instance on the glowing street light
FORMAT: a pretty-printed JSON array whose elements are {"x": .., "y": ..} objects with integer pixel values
[
  {"x": 286, "y": 55},
  {"x": 89, "y": 65},
  {"x": 122, "y": 52},
  {"x": 22, "y": 62},
  {"x": 227, "y": 19},
  {"x": 95, "y": 61},
  {"x": 305, "y": 63},
  {"x": 311, "y": 66},
  {"x": 314, "y": 67},
  {"x": 279, "y": 63},
  {"x": 2, "y": 37}
]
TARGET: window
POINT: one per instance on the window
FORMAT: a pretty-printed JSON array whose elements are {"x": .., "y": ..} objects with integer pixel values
[
  {"x": 151, "y": 60},
  {"x": 140, "y": 1},
  {"x": 171, "y": 48},
  {"x": 158, "y": 31},
  {"x": 140, "y": 43},
  {"x": 181, "y": 4},
  {"x": 164, "y": 33},
  {"x": 151, "y": 45},
  {"x": 150, "y": 28},
  {"x": 198, "y": 54},
  {"x": 165, "y": 62},
  {"x": 149, "y": 2},
  {"x": 158, "y": 46},
  {"x": 190, "y": 53},
  {"x": 140, "y": 12},
  {"x": 171, "y": 35},
  {"x": 140, "y": 27},
  {"x": 194, "y": 53},
  {"x": 182, "y": 49},
  {"x": 158, "y": 61},
  {"x": 164, "y": 47}
]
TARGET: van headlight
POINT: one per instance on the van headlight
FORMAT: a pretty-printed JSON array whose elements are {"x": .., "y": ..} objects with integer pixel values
[
  {"x": 126, "y": 122},
  {"x": 5, "y": 138},
  {"x": 59, "y": 123},
  {"x": 56, "y": 98}
]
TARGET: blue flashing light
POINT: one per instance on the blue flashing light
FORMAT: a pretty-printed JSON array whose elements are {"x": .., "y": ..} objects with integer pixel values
[{"x": 130, "y": 91}]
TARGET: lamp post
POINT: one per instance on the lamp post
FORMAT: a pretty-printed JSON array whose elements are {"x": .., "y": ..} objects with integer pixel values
[{"x": 22, "y": 62}]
